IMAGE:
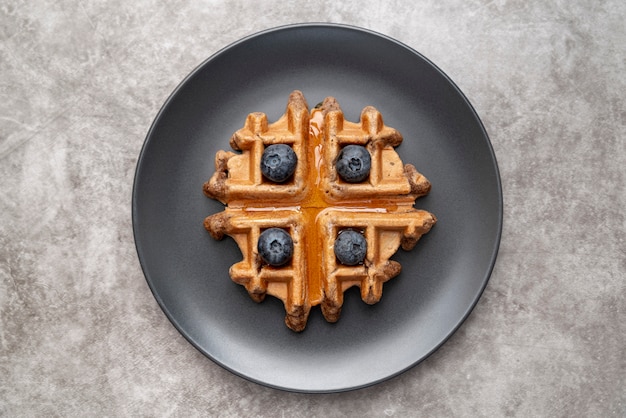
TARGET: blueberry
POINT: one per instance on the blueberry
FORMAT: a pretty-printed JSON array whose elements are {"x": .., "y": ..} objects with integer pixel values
[
  {"x": 350, "y": 247},
  {"x": 278, "y": 162},
  {"x": 354, "y": 163},
  {"x": 275, "y": 246}
]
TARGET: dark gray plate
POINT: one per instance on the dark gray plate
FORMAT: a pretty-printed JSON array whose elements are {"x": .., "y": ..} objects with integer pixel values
[{"x": 442, "y": 278}]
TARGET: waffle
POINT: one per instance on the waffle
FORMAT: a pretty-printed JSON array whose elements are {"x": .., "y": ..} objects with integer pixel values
[
  {"x": 315, "y": 205},
  {"x": 238, "y": 180}
]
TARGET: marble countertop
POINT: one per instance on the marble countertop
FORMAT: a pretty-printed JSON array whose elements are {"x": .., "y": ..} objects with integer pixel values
[{"x": 82, "y": 335}]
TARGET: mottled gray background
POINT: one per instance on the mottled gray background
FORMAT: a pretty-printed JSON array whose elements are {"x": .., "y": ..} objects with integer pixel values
[{"x": 80, "y": 332}]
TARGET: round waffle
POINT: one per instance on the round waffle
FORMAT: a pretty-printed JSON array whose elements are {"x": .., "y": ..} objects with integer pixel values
[{"x": 315, "y": 205}]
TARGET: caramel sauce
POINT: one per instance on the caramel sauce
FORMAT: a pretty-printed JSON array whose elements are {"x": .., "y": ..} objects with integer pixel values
[{"x": 313, "y": 203}]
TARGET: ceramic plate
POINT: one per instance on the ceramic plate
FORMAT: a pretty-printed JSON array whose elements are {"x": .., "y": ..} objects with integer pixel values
[{"x": 443, "y": 276}]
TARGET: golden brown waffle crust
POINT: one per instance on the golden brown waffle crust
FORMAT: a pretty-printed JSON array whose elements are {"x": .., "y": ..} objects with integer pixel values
[{"x": 315, "y": 205}]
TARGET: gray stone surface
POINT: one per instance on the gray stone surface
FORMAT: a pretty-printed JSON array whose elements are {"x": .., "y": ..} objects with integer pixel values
[{"x": 80, "y": 332}]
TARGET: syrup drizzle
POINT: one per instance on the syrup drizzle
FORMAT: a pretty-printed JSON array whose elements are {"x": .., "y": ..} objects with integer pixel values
[{"x": 313, "y": 203}]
